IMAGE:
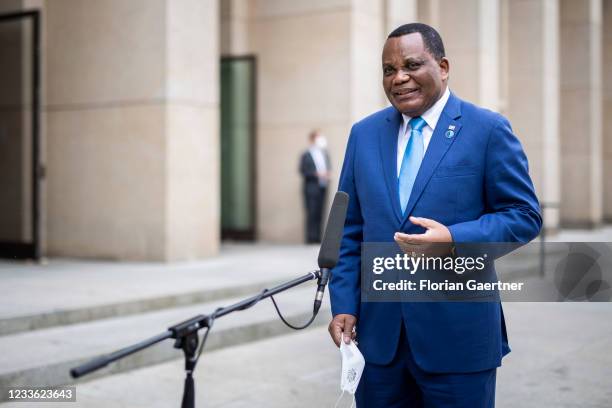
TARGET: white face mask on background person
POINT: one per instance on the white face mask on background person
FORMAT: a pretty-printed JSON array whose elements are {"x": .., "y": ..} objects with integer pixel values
[{"x": 321, "y": 142}]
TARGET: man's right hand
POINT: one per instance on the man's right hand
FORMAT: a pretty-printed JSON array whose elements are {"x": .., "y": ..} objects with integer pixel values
[{"x": 342, "y": 326}]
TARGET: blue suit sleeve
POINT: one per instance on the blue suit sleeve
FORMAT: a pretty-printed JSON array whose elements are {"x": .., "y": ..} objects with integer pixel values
[
  {"x": 512, "y": 212},
  {"x": 344, "y": 286}
]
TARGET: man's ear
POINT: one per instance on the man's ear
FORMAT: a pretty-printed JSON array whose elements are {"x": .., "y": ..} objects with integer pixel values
[{"x": 444, "y": 65}]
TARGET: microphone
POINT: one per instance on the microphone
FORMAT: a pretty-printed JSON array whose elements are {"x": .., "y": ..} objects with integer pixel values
[{"x": 330, "y": 247}]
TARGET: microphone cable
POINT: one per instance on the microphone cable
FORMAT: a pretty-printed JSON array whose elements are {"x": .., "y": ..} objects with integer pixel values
[
  {"x": 212, "y": 317},
  {"x": 308, "y": 323}
]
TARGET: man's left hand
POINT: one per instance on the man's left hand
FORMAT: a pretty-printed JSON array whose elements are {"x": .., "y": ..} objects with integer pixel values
[
  {"x": 436, "y": 232},
  {"x": 435, "y": 241}
]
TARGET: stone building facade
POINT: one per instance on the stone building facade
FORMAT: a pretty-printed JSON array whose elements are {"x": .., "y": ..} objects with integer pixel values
[{"x": 131, "y": 106}]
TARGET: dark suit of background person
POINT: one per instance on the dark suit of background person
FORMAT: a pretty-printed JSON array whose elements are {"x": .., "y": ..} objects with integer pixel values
[
  {"x": 314, "y": 187},
  {"x": 472, "y": 186}
]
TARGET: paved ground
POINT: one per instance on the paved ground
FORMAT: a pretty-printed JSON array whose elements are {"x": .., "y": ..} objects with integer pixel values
[
  {"x": 562, "y": 358},
  {"x": 562, "y": 353}
]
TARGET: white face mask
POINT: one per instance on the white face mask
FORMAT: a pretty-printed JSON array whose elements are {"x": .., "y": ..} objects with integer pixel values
[
  {"x": 321, "y": 142},
  {"x": 353, "y": 364}
]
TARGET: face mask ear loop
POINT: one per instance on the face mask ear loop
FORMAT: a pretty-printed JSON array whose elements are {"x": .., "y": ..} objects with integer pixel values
[
  {"x": 354, "y": 401},
  {"x": 338, "y": 400}
]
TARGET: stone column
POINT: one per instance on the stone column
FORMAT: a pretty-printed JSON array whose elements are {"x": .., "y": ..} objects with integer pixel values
[
  {"x": 533, "y": 94},
  {"x": 428, "y": 12},
  {"x": 398, "y": 12},
  {"x": 132, "y": 129},
  {"x": 607, "y": 110},
  {"x": 470, "y": 31},
  {"x": 192, "y": 172},
  {"x": 367, "y": 36},
  {"x": 235, "y": 16},
  {"x": 581, "y": 118}
]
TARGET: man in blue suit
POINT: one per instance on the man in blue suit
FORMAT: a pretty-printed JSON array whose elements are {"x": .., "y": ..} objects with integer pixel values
[{"x": 431, "y": 168}]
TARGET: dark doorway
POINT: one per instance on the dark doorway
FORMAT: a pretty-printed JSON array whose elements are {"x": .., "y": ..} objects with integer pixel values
[
  {"x": 19, "y": 135},
  {"x": 238, "y": 148}
]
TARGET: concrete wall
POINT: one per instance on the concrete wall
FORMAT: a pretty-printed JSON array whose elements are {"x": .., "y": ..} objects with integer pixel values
[
  {"x": 581, "y": 107},
  {"x": 235, "y": 17},
  {"x": 318, "y": 67},
  {"x": 106, "y": 123},
  {"x": 302, "y": 50},
  {"x": 131, "y": 116},
  {"x": 399, "y": 12},
  {"x": 533, "y": 95},
  {"x": 607, "y": 110},
  {"x": 192, "y": 129},
  {"x": 470, "y": 31}
]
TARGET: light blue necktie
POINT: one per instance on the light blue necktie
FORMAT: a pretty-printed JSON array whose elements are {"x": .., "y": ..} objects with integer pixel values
[{"x": 413, "y": 156}]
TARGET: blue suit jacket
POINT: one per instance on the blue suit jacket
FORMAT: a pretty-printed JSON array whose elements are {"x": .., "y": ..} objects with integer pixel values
[{"x": 477, "y": 184}]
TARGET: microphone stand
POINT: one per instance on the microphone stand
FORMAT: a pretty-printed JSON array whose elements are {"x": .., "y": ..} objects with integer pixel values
[{"x": 186, "y": 335}]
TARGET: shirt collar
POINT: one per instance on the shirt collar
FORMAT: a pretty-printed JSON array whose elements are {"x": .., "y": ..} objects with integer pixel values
[{"x": 432, "y": 115}]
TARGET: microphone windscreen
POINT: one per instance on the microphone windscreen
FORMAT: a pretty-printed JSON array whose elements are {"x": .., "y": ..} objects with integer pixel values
[{"x": 330, "y": 247}]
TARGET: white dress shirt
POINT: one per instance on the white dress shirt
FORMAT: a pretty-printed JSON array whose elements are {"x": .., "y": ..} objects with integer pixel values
[
  {"x": 430, "y": 117},
  {"x": 318, "y": 157}
]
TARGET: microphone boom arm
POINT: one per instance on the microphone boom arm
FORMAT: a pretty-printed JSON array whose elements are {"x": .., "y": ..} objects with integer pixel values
[{"x": 189, "y": 326}]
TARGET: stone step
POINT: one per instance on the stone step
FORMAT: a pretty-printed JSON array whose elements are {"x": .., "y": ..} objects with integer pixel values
[
  {"x": 63, "y": 317},
  {"x": 44, "y": 357},
  {"x": 65, "y": 291}
]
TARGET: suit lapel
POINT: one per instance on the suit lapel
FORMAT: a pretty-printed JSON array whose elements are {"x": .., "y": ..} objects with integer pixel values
[
  {"x": 438, "y": 146},
  {"x": 387, "y": 137}
]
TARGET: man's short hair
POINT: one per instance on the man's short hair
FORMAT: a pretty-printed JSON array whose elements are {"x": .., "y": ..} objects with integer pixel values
[{"x": 431, "y": 38}]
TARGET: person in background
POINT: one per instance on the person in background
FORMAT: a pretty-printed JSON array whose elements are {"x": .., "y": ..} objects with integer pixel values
[{"x": 315, "y": 171}]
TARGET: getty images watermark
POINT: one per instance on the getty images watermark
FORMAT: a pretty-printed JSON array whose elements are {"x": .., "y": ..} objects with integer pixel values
[{"x": 569, "y": 271}]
